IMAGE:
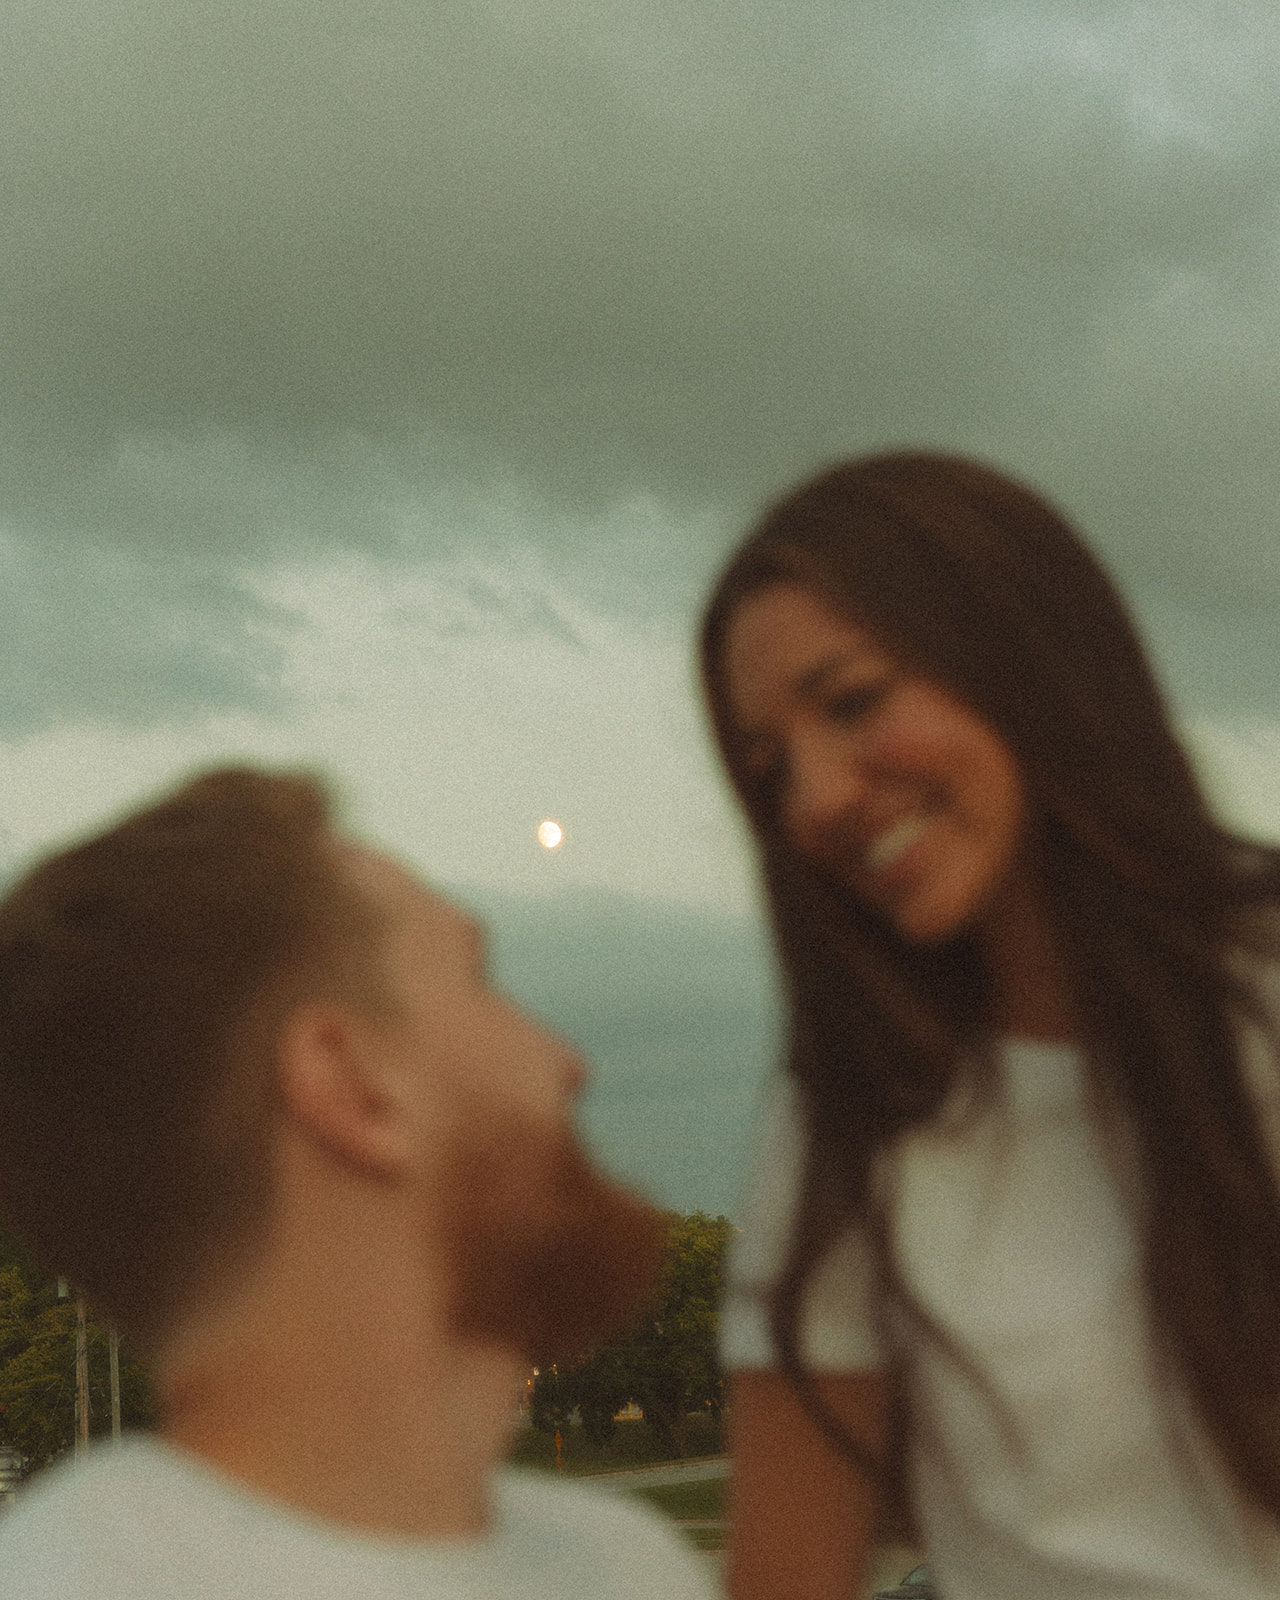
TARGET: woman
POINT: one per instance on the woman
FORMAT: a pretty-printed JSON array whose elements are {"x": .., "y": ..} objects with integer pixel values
[{"x": 1012, "y": 1224}]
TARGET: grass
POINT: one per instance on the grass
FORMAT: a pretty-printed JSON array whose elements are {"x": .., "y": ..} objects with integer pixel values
[
  {"x": 692, "y": 1502},
  {"x": 634, "y": 1444},
  {"x": 703, "y": 1501}
]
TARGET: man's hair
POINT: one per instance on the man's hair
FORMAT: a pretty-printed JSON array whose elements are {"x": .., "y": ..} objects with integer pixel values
[{"x": 144, "y": 978}]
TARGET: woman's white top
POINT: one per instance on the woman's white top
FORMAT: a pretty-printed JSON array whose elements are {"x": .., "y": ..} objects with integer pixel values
[{"x": 1012, "y": 1230}]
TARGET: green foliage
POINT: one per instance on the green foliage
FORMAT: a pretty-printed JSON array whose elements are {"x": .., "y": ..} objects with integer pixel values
[
  {"x": 551, "y": 1404},
  {"x": 599, "y": 1388},
  {"x": 37, "y": 1366},
  {"x": 677, "y": 1361},
  {"x": 667, "y": 1363}
]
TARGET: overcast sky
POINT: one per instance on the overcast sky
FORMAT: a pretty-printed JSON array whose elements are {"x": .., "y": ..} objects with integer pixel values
[{"x": 381, "y": 385}]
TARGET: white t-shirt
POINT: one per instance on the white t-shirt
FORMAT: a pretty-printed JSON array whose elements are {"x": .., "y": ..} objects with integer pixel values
[
  {"x": 143, "y": 1521},
  {"x": 1013, "y": 1232}
]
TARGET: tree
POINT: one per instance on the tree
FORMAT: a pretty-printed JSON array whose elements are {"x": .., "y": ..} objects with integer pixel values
[
  {"x": 601, "y": 1386},
  {"x": 37, "y": 1366},
  {"x": 551, "y": 1404},
  {"x": 667, "y": 1363},
  {"x": 674, "y": 1355}
]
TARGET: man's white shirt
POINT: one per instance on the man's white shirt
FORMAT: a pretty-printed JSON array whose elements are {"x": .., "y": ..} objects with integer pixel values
[{"x": 144, "y": 1521}]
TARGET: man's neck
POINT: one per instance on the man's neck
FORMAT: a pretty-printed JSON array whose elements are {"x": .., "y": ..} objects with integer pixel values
[{"x": 353, "y": 1413}]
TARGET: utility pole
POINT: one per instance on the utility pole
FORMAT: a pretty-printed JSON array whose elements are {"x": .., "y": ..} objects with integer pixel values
[
  {"x": 114, "y": 1345},
  {"x": 82, "y": 1376}
]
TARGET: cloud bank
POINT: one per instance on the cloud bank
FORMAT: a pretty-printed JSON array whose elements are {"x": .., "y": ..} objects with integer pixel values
[{"x": 273, "y": 269}]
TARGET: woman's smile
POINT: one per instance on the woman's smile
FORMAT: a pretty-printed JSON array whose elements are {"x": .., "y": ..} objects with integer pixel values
[{"x": 887, "y": 849}]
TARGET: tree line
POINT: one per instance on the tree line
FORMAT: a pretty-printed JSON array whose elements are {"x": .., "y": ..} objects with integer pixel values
[{"x": 667, "y": 1364}]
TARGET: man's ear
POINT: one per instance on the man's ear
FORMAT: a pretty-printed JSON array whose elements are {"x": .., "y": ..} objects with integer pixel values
[{"x": 340, "y": 1085}]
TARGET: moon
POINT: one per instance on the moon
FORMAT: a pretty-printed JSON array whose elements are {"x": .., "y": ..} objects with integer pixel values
[{"x": 550, "y": 834}]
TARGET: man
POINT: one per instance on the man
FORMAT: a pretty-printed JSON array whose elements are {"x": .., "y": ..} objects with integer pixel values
[{"x": 261, "y": 1103}]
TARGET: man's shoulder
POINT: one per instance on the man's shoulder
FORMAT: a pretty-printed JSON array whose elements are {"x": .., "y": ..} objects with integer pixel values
[
  {"x": 51, "y": 1534},
  {"x": 141, "y": 1524},
  {"x": 525, "y": 1495}
]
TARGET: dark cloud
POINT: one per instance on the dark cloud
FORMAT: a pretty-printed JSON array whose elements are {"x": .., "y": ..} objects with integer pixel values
[{"x": 320, "y": 260}]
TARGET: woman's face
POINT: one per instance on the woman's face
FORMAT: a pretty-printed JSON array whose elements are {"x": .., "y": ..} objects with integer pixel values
[{"x": 880, "y": 775}]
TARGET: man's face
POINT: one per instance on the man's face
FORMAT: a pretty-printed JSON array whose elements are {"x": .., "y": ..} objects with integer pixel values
[{"x": 546, "y": 1254}]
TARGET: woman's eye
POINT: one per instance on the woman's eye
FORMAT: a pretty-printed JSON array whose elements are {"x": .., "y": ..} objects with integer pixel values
[{"x": 850, "y": 704}]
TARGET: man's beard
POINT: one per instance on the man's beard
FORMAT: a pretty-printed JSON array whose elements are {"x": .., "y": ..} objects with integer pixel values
[{"x": 548, "y": 1256}]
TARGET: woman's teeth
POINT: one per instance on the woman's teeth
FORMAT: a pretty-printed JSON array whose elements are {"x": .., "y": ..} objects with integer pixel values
[{"x": 883, "y": 851}]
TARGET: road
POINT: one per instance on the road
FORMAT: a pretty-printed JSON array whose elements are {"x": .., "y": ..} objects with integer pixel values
[{"x": 627, "y": 1481}]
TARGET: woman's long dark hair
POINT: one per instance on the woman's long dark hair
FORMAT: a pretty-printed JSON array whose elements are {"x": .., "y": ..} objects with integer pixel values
[{"x": 978, "y": 584}]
